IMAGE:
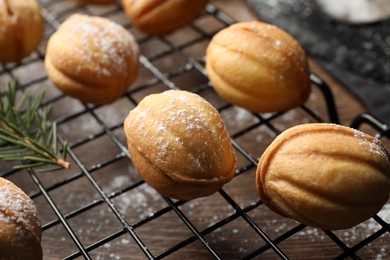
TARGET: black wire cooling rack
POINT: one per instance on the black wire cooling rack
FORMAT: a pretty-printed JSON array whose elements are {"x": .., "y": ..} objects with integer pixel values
[{"x": 101, "y": 209}]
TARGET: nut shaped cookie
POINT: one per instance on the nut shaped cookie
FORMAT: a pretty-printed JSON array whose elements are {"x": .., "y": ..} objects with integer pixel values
[
  {"x": 92, "y": 59},
  {"x": 324, "y": 175},
  {"x": 20, "y": 225},
  {"x": 179, "y": 145},
  {"x": 158, "y": 17},
  {"x": 259, "y": 67},
  {"x": 21, "y": 29}
]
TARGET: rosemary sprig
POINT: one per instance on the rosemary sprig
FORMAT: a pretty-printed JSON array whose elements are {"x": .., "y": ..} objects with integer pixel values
[{"x": 26, "y": 134}]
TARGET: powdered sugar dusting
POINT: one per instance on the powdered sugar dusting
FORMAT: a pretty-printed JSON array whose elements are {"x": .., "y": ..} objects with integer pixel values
[
  {"x": 139, "y": 203},
  {"x": 196, "y": 116},
  {"x": 193, "y": 116},
  {"x": 278, "y": 43},
  {"x": 17, "y": 210},
  {"x": 177, "y": 122},
  {"x": 375, "y": 147},
  {"x": 355, "y": 234},
  {"x": 101, "y": 42}
]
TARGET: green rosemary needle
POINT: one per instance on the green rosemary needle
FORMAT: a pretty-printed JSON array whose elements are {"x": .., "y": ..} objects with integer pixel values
[{"x": 26, "y": 134}]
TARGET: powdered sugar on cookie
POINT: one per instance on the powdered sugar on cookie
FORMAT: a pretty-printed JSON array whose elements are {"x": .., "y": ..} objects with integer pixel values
[
  {"x": 101, "y": 42},
  {"x": 374, "y": 144},
  {"x": 17, "y": 209}
]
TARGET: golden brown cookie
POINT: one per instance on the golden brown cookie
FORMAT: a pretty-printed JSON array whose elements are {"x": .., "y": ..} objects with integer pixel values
[
  {"x": 156, "y": 17},
  {"x": 179, "y": 145},
  {"x": 21, "y": 29},
  {"x": 92, "y": 59},
  {"x": 324, "y": 175},
  {"x": 20, "y": 226},
  {"x": 259, "y": 67}
]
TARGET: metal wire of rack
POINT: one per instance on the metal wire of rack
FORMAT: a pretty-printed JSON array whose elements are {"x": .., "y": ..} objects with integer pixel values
[{"x": 101, "y": 209}]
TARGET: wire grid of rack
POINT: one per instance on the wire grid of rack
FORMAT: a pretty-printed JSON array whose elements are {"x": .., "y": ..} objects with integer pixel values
[{"x": 101, "y": 209}]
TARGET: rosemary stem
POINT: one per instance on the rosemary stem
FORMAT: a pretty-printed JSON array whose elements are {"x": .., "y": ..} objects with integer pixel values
[
  {"x": 64, "y": 164},
  {"x": 55, "y": 160}
]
